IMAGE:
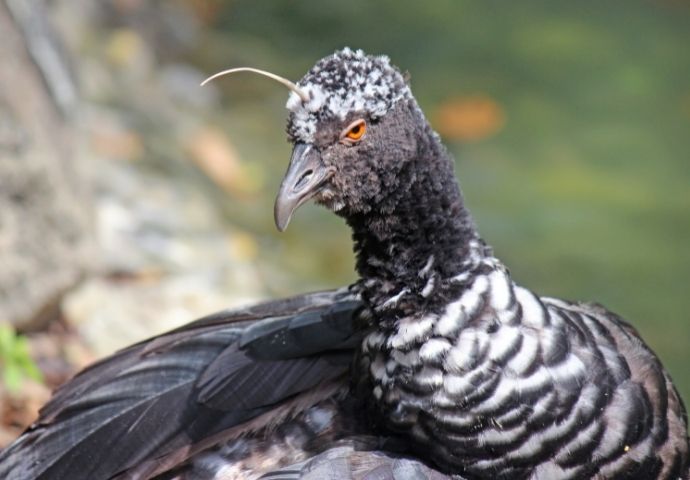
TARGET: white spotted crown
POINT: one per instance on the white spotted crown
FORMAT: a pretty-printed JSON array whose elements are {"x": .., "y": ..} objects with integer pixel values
[{"x": 347, "y": 81}]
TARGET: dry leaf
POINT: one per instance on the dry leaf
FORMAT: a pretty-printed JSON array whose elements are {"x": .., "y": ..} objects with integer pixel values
[
  {"x": 469, "y": 118},
  {"x": 210, "y": 149}
]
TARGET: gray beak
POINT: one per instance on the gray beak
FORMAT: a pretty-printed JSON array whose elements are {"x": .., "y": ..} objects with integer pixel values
[{"x": 302, "y": 181}]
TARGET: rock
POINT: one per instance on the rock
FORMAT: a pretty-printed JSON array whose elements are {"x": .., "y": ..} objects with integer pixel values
[
  {"x": 45, "y": 215},
  {"x": 165, "y": 254},
  {"x": 110, "y": 314},
  {"x": 166, "y": 257}
]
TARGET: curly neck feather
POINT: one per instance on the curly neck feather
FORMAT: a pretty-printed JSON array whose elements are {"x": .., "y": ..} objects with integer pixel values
[{"x": 420, "y": 230}]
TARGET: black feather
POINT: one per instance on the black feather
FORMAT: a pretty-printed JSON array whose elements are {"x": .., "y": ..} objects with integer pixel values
[{"x": 177, "y": 389}]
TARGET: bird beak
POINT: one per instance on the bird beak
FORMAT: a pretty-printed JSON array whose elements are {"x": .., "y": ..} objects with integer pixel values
[{"x": 303, "y": 179}]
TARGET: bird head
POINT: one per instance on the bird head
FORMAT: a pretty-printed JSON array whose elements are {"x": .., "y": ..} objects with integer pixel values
[
  {"x": 350, "y": 137},
  {"x": 354, "y": 124}
]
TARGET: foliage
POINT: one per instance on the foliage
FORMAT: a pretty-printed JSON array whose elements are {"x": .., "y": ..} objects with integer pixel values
[{"x": 15, "y": 361}]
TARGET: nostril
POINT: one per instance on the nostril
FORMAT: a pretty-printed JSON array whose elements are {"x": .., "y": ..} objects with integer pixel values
[{"x": 304, "y": 179}]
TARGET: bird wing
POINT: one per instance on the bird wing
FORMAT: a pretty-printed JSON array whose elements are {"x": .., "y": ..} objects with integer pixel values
[
  {"x": 154, "y": 403},
  {"x": 347, "y": 463}
]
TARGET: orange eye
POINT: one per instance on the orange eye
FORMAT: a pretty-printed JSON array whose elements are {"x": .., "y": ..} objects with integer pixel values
[{"x": 355, "y": 131}]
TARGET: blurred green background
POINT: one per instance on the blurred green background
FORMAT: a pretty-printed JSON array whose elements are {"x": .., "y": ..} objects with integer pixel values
[
  {"x": 572, "y": 137},
  {"x": 569, "y": 121}
]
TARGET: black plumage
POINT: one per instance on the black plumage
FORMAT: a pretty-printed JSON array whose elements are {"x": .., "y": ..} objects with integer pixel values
[
  {"x": 239, "y": 393},
  {"x": 435, "y": 364}
]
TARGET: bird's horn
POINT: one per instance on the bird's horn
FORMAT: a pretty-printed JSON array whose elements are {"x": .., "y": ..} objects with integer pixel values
[{"x": 277, "y": 78}]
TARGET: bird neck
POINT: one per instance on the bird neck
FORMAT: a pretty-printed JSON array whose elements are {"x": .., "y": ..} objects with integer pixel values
[{"x": 416, "y": 238}]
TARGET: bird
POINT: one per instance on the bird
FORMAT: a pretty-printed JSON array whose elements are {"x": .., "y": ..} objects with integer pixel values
[{"x": 435, "y": 364}]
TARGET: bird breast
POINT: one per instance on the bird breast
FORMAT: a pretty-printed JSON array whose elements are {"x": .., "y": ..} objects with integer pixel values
[{"x": 500, "y": 378}]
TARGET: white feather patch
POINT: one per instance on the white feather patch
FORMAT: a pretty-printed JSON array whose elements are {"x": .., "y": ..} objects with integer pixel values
[
  {"x": 427, "y": 267},
  {"x": 457, "y": 312},
  {"x": 533, "y": 312},
  {"x": 526, "y": 357},
  {"x": 434, "y": 348},
  {"x": 391, "y": 302},
  {"x": 410, "y": 330},
  {"x": 429, "y": 287},
  {"x": 500, "y": 290},
  {"x": 369, "y": 85},
  {"x": 378, "y": 369},
  {"x": 452, "y": 319},
  {"x": 429, "y": 376},
  {"x": 457, "y": 384},
  {"x": 460, "y": 357},
  {"x": 502, "y": 341}
]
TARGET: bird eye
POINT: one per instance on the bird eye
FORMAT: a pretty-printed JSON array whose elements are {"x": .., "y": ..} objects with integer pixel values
[{"x": 354, "y": 132}]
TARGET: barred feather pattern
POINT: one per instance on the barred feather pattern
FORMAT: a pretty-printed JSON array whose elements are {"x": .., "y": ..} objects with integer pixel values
[{"x": 501, "y": 383}]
